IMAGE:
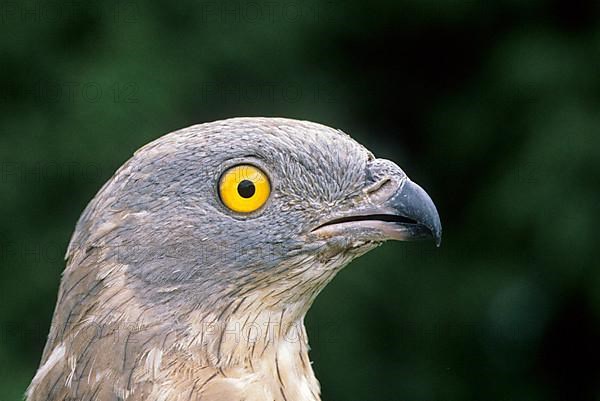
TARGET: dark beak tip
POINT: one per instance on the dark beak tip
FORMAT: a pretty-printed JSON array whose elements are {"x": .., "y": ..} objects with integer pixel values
[
  {"x": 413, "y": 202},
  {"x": 438, "y": 239},
  {"x": 436, "y": 231}
]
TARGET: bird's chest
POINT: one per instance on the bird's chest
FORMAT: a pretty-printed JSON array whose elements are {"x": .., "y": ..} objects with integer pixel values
[
  {"x": 289, "y": 374},
  {"x": 283, "y": 373}
]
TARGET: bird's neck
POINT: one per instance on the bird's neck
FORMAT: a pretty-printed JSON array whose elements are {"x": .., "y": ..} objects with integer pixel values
[{"x": 268, "y": 343}]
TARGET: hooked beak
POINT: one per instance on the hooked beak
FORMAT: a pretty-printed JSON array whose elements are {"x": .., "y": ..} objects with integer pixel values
[
  {"x": 413, "y": 203},
  {"x": 408, "y": 214}
]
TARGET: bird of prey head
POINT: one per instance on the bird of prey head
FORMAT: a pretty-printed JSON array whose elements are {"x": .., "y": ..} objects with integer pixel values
[{"x": 190, "y": 272}]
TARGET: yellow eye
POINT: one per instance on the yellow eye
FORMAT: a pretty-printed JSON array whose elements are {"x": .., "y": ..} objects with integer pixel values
[{"x": 244, "y": 188}]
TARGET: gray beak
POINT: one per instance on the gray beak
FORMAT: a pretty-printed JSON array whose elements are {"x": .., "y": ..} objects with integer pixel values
[
  {"x": 407, "y": 214},
  {"x": 416, "y": 214}
]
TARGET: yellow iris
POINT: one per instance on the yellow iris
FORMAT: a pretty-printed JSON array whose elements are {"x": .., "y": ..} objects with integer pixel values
[{"x": 244, "y": 188}]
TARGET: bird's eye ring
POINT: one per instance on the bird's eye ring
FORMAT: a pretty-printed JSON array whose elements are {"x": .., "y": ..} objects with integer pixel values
[{"x": 244, "y": 188}]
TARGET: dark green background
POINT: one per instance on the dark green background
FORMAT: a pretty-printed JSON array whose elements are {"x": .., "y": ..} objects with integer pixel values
[{"x": 494, "y": 107}]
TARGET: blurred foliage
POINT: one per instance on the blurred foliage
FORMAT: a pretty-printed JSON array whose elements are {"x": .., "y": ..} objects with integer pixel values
[{"x": 493, "y": 106}]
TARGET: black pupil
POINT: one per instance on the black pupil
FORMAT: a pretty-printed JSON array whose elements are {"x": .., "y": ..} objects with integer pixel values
[{"x": 246, "y": 189}]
